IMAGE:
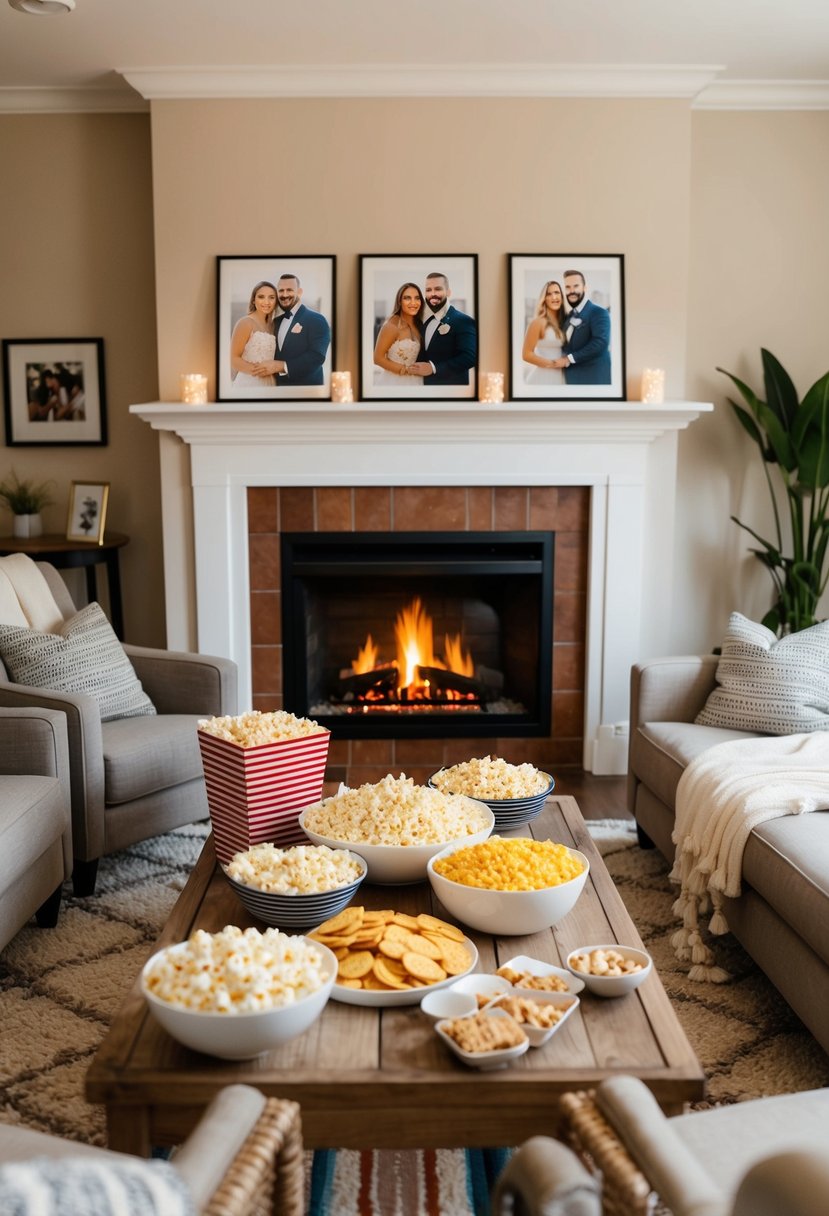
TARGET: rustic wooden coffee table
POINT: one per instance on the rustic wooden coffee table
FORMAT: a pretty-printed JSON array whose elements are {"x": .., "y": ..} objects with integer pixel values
[{"x": 381, "y": 1078}]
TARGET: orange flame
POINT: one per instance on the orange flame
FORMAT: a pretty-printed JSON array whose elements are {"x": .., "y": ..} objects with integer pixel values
[
  {"x": 414, "y": 639},
  {"x": 366, "y": 657}
]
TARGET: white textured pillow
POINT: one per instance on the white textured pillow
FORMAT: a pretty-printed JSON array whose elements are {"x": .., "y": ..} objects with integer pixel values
[
  {"x": 86, "y": 1186},
  {"x": 774, "y": 686},
  {"x": 84, "y": 656}
]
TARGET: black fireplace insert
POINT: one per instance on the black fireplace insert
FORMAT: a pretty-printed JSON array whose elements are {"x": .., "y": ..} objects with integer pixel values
[{"x": 419, "y": 634}]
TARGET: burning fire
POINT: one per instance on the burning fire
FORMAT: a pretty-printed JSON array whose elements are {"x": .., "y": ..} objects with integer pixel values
[{"x": 415, "y": 651}]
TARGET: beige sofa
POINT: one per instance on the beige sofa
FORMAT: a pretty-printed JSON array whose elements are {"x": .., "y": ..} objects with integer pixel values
[
  {"x": 782, "y": 915},
  {"x": 35, "y": 829}
]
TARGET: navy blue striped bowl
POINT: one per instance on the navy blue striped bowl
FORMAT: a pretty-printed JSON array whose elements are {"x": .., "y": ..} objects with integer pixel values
[
  {"x": 297, "y": 911},
  {"x": 511, "y": 812}
]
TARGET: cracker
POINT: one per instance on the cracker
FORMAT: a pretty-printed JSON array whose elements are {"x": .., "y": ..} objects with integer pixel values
[
  {"x": 392, "y": 949},
  {"x": 433, "y": 924},
  {"x": 356, "y": 965},
  {"x": 421, "y": 945},
  {"x": 423, "y": 968}
]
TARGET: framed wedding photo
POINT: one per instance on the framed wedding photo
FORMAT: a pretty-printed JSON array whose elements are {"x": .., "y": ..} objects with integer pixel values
[
  {"x": 567, "y": 326},
  {"x": 53, "y": 392},
  {"x": 87, "y": 511},
  {"x": 418, "y": 326},
  {"x": 275, "y": 327}
]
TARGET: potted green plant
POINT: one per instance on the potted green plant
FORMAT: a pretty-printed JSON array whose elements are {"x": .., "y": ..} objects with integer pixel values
[
  {"x": 794, "y": 436},
  {"x": 25, "y": 499}
]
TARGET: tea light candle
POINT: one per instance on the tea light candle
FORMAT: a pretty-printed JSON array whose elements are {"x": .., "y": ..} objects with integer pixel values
[
  {"x": 653, "y": 385},
  {"x": 492, "y": 387},
  {"x": 194, "y": 389},
  {"x": 341, "y": 386}
]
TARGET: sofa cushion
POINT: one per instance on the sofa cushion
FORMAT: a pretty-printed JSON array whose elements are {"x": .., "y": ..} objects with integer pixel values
[
  {"x": 775, "y": 686},
  {"x": 115, "y": 1186},
  {"x": 786, "y": 861},
  {"x": 144, "y": 755},
  {"x": 660, "y": 751},
  {"x": 33, "y": 814},
  {"x": 83, "y": 656}
]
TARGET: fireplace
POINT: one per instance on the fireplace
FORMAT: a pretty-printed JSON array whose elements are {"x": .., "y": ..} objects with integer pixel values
[{"x": 419, "y": 635}]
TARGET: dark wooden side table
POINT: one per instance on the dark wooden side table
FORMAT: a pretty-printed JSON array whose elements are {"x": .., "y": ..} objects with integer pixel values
[{"x": 70, "y": 555}]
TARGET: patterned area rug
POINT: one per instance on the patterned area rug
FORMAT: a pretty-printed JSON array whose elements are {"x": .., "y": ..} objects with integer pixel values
[{"x": 59, "y": 989}]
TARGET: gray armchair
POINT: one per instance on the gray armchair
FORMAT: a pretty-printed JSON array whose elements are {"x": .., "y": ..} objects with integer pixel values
[
  {"x": 243, "y": 1158},
  {"x": 35, "y": 831},
  {"x": 133, "y": 778},
  {"x": 768, "y": 1157}
]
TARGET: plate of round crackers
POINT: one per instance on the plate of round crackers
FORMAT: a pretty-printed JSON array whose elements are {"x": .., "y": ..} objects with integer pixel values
[{"x": 388, "y": 958}]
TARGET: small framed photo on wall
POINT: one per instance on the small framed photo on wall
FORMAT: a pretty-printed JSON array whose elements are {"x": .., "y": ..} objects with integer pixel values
[
  {"x": 275, "y": 327},
  {"x": 567, "y": 326},
  {"x": 87, "y": 511},
  {"x": 53, "y": 392},
  {"x": 418, "y": 326}
]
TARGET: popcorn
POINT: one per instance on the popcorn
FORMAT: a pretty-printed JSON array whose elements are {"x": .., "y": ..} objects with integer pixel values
[
  {"x": 395, "y": 811},
  {"x": 514, "y": 864},
  {"x": 236, "y": 971},
  {"x": 492, "y": 778},
  {"x": 256, "y": 728},
  {"x": 304, "y": 869}
]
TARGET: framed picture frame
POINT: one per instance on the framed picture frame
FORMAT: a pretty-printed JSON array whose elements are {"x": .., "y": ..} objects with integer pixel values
[
  {"x": 567, "y": 326},
  {"x": 248, "y": 336},
  {"x": 87, "y": 511},
  {"x": 398, "y": 336},
  {"x": 54, "y": 392}
]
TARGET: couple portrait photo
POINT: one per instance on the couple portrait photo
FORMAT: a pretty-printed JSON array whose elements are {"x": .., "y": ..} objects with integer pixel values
[
  {"x": 274, "y": 328},
  {"x": 567, "y": 327},
  {"x": 419, "y": 332}
]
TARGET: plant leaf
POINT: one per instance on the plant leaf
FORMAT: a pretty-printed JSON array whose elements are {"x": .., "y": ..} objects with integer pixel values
[
  {"x": 781, "y": 394},
  {"x": 749, "y": 424},
  {"x": 749, "y": 395},
  {"x": 813, "y": 465},
  {"x": 778, "y": 437}
]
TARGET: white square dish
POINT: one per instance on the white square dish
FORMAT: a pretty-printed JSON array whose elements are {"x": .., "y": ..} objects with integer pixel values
[
  {"x": 539, "y": 1035},
  {"x": 523, "y": 962},
  {"x": 484, "y": 1060}
]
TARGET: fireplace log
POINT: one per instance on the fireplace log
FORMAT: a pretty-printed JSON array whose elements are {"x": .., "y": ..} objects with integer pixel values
[
  {"x": 380, "y": 679},
  {"x": 446, "y": 681}
]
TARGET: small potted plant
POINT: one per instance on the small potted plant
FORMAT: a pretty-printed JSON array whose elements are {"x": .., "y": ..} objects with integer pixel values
[{"x": 25, "y": 499}]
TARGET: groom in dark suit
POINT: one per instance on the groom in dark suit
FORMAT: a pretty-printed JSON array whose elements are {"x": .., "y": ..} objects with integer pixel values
[
  {"x": 586, "y": 350},
  {"x": 449, "y": 345},
  {"x": 302, "y": 339}
]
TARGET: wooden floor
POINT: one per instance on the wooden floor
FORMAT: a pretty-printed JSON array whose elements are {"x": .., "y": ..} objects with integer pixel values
[{"x": 598, "y": 797}]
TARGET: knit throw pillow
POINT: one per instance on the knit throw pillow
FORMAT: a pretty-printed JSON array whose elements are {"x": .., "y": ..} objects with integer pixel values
[
  {"x": 84, "y": 656},
  {"x": 770, "y": 685},
  {"x": 84, "y": 1186}
]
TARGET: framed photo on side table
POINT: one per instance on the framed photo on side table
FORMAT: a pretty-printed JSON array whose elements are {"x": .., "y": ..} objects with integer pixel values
[
  {"x": 87, "y": 511},
  {"x": 53, "y": 392},
  {"x": 275, "y": 334},
  {"x": 418, "y": 326},
  {"x": 567, "y": 326}
]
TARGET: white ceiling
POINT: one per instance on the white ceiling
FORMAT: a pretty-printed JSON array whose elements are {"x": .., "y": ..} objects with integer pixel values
[{"x": 439, "y": 46}]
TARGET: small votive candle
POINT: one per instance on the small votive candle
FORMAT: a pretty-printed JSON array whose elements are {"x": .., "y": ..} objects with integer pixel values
[
  {"x": 193, "y": 389},
  {"x": 341, "y": 386},
  {"x": 492, "y": 387},
  {"x": 653, "y": 385}
]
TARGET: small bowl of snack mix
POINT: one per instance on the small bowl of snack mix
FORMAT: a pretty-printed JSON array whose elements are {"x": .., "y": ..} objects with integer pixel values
[
  {"x": 515, "y": 793},
  {"x": 612, "y": 970},
  {"x": 296, "y": 887},
  {"x": 508, "y": 886},
  {"x": 238, "y": 993},
  {"x": 539, "y": 1014},
  {"x": 488, "y": 1039},
  {"x": 396, "y": 825}
]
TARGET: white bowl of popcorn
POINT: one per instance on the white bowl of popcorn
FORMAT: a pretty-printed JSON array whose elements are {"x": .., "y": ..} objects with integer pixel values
[
  {"x": 296, "y": 887},
  {"x": 396, "y": 826},
  {"x": 515, "y": 793},
  {"x": 238, "y": 993},
  {"x": 610, "y": 970},
  {"x": 508, "y": 886}
]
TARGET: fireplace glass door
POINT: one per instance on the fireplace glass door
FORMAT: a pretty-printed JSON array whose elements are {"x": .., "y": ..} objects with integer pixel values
[{"x": 392, "y": 635}]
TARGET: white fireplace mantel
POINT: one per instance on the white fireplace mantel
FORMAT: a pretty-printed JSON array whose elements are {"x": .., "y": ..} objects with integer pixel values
[{"x": 625, "y": 451}]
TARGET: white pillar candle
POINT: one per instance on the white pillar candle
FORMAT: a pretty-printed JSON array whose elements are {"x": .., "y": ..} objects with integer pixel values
[
  {"x": 194, "y": 389},
  {"x": 341, "y": 386},
  {"x": 492, "y": 387},
  {"x": 653, "y": 385}
]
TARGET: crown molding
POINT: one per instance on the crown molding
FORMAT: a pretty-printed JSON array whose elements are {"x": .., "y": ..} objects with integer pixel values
[
  {"x": 422, "y": 80},
  {"x": 71, "y": 101},
  {"x": 764, "y": 95}
]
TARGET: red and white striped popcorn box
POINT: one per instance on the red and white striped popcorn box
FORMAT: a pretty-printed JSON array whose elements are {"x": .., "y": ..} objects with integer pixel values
[{"x": 255, "y": 794}]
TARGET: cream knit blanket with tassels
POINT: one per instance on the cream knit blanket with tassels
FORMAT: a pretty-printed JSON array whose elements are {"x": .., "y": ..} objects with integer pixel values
[{"x": 724, "y": 793}]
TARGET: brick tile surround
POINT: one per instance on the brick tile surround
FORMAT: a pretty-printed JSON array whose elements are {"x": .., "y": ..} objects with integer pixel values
[{"x": 563, "y": 510}]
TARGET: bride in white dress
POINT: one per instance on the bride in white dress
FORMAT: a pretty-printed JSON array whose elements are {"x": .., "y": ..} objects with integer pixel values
[
  {"x": 398, "y": 342},
  {"x": 253, "y": 340},
  {"x": 544, "y": 339}
]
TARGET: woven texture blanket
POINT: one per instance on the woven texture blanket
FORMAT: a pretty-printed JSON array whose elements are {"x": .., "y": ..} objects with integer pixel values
[{"x": 723, "y": 794}]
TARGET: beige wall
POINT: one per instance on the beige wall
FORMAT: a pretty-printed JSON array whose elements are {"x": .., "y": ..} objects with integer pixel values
[
  {"x": 76, "y": 251},
  {"x": 759, "y": 275},
  {"x": 740, "y": 196}
]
